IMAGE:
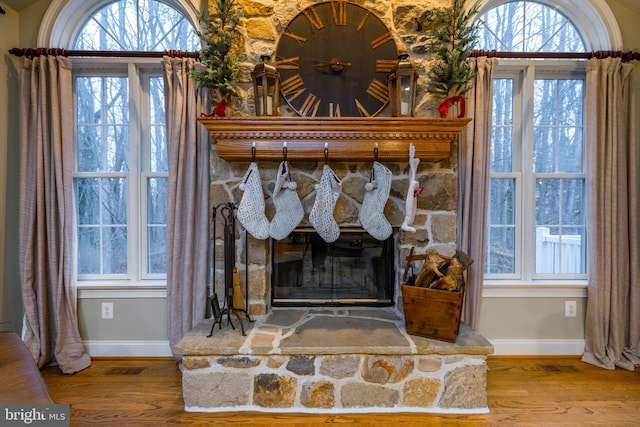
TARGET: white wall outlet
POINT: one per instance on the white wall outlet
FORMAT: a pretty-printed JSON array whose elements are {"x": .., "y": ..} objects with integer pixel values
[
  {"x": 570, "y": 309},
  {"x": 107, "y": 310}
]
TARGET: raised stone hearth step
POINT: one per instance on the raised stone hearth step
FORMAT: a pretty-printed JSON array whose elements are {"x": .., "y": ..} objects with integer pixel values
[{"x": 332, "y": 360}]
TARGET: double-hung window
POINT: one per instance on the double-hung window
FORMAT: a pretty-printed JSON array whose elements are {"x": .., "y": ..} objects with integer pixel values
[
  {"x": 120, "y": 153},
  {"x": 536, "y": 212}
]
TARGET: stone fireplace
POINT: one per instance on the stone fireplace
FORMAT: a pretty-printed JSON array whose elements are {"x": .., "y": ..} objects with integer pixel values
[
  {"x": 344, "y": 354},
  {"x": 334, "y": 357}
]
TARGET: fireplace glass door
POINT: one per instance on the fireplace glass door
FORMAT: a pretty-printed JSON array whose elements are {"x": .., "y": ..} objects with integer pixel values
[{"x": 356, "y": 269}]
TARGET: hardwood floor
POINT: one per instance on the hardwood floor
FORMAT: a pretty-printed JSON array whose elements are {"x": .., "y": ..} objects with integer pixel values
[{"x": 541, "y": 391}]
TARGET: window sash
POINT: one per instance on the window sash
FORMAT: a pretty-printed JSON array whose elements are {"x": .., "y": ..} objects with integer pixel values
[
  {"x": 524, "y": 74},
  {"x": 138, "y": 176}
]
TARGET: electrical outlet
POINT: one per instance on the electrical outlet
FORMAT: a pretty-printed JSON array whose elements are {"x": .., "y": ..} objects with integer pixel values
[
  {"x": 570, "y": 309},
  {"x": 107, "y": 310}
]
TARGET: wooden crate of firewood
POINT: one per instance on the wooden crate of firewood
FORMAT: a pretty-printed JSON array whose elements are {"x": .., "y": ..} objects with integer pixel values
[{"x": 433, "y": 294}]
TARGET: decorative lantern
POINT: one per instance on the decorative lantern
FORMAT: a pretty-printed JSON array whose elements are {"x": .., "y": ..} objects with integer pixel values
[
  {"x": 266, "y": 87},
  {"x": 402, "y": 87}
]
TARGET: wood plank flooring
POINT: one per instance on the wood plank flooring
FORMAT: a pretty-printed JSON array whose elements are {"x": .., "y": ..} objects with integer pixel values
[{"x": 541, "y": 391}]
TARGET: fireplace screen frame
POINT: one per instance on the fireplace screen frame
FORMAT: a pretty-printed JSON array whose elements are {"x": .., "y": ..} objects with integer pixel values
[{"x": 359, "y": 270}]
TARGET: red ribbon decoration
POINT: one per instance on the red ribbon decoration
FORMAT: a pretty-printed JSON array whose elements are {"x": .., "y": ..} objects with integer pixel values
[{"x": 444, "y": 106}]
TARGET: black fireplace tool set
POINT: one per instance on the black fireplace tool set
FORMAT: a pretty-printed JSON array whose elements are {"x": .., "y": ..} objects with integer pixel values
[{"x": 227, "y": 212}]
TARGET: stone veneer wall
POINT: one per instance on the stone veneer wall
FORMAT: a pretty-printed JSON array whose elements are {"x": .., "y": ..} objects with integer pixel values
[
  {"x": 444, "y": 383},
  {"x": 436, "y": 216}
]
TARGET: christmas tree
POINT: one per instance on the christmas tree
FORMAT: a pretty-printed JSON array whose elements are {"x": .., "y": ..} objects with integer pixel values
[
  {"x": 453, "y": 38},
  {"x": 220, "y": 55}
]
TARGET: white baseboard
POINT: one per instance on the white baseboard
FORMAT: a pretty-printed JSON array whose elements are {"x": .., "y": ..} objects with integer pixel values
[
  {"x": 503, "y": 347},
  {"x": 128, "y": 348}
]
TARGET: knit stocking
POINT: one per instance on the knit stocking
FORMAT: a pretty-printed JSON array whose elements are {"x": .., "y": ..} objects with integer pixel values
[
  {"x": 289, "y": 210},
  {"x": 321, "y": 216},
  {"x": 251, "y": 209},
  {"x": 375, "y": 198},
  {"x": 411, "y": 202}
]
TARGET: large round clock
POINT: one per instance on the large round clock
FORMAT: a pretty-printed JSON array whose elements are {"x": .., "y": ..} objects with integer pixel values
[{"x": 334, "y": 58}]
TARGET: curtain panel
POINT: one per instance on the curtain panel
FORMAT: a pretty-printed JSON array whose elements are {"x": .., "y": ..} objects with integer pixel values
[
  {"x": 612, "y": 326},
  {"x": 188, "y": 210},
  {"x": 473, "y": 184},
  {"x": 50, "y": 328}
]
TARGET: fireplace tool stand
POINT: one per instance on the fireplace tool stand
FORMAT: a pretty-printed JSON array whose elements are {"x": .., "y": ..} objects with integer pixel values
[{"x": 227, "y": 212}]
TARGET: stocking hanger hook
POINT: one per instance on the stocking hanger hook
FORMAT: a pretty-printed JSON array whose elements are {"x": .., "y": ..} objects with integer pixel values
[
  {"x": 253, "y": 152},
  {"x": 326, "y": 152}
]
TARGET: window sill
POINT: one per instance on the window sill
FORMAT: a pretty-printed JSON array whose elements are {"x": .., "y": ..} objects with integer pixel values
[
  {"x": 108, "y": 290},
  {"x": 537, "y": 289}
]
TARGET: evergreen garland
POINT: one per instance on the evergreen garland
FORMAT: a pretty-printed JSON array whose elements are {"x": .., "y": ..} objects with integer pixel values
[
  {"x": 219, "y": 55},
  {"x": 453, "y": 38}
]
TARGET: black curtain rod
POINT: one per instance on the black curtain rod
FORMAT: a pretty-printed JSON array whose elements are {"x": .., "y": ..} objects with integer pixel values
[
  {"x": 626, "y": 56},
  {"x": 31, "y": 52}
]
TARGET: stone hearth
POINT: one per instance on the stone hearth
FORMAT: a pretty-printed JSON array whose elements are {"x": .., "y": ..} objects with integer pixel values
[{"x": 331, "y": 360}]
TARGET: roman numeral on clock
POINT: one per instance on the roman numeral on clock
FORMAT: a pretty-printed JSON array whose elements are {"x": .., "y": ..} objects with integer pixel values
[
  {"x": 379, "y": 91},
  {"x": 289, "y": 63},
  {"x": 376, "y": 43},
  {"x": 339, "y": 12},
  {"x": 310, "y": 105},
  {"x": 363, "y": 111},
  {"x": 385, "y": 65},
  {"x": 313, "y": 17}
]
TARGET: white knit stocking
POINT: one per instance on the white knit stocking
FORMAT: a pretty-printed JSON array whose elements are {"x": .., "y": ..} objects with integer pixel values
[
  {"x": 251, "y": 209},
  {"x": 321, "y": 216},
  {"x": 375, "y": 198},
  {"x": 411, "y": 202},
  {"x": 289, "y": 210}
]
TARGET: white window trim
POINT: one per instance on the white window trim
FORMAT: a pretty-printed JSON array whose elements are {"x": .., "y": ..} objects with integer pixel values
[{"x": 593, "y": 19}]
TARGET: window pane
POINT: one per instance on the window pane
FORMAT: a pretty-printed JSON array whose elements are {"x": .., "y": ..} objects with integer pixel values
[
  {"x": 88, "y": 250},
  {"x": 501, "y": 251},
  {"x": 102, "y": 236},
  {"x": 548, "y": 201},
  {"x": 157, "y": 200},
  {"x": 103, "y": 107},
  {"x": 501, "y": 236},
  {"x": 560, "y": 250},
  {"x": 527, "y": 26},
  {"x": 558, "y": 138},
  {"x": 502, "y": 131},
  {"x": 159, "y": 161},
  {"x": 157, "y": 255},
  {"x": 143, "y": 25},
  {"x": 114, "y": 250},
  {"x": 114, "y": 201},
  {"x": 87, "y": 201}
]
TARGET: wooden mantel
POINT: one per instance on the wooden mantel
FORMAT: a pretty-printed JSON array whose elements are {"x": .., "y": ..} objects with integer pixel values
[{"x": 347, "y": 138}]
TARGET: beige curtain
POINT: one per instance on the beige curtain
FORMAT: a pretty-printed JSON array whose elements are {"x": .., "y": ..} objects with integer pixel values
[
  {"x": 46, "y": 212},
  {"x": 612, "y": 328},
  {"x": 473, "y": 184},
  {"x": 187, "y": 218}
]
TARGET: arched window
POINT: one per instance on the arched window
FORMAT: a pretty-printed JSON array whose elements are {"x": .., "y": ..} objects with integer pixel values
[
  {"x": 528, "y": 26},
  {"x": 142, "y": 25},
  {"x": 120, "y": 167},
  {"x": 537, "y": 217}
]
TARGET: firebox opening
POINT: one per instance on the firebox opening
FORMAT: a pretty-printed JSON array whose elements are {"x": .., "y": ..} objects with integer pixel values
[{"x": 356, "y": 269}]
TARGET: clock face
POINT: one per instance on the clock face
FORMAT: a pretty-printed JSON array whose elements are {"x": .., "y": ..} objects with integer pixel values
[{"x": 334, "y": 58}]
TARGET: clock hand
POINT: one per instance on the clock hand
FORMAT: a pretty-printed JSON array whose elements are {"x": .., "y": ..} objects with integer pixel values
[{"x": 336, "y": 64}]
